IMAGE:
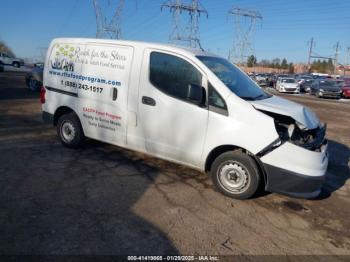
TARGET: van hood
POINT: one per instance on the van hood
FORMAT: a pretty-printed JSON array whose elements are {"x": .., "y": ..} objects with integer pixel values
[{"x": 301, "y": 114}]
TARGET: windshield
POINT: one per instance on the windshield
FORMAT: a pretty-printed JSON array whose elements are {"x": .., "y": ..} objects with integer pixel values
[
  {"x": 290, "y": 80},
  {"x": 238, "y": 82},
  {"x": 327, "y": 83}
]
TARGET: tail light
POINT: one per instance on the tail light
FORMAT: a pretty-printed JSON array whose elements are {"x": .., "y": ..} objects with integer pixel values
[{"x": 42, "y": 94}]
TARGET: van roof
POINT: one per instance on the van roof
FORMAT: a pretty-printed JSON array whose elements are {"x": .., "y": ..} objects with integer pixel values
[{"x": 189, "y": 50}]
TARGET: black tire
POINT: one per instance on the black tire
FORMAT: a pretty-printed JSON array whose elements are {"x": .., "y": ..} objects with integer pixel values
[
  {"x": 16, "y": 64},
  {"x": 69, "y": 125},
  {"x": 246, "y": 167}
]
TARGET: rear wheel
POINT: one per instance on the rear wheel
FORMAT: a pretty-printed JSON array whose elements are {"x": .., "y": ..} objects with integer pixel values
[
  {"x": 70, "y": 131},
  {"x": 235, "y": 174}
]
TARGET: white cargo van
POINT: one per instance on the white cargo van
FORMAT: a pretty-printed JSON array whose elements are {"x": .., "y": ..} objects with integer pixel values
[{"x": 186, "y": 106}]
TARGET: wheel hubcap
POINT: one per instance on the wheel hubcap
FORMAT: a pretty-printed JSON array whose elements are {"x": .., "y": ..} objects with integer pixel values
[
  {"x": 67, "y": 131},
  {"x": 233, "y": 176}
]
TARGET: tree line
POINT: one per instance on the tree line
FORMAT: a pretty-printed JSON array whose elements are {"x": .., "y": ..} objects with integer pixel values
[
  {"x": 274, "y": 63},
  {"x": 322, "y": 66},
  {"x": 5, "y": 49}
]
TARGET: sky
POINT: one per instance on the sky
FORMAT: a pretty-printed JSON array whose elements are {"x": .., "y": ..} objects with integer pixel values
[{"x": 28, "y": 26}]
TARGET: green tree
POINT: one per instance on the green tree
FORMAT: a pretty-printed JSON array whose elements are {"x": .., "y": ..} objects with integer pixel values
[
  {"x": 330, "y": 65},
  {"x": 284, "y": 64},
  {"x": 291, "y": 68},
  {"x": 276, "y": 63},
  {"x": 251, "y": 61},
  {"x": 5, "y": 49}
]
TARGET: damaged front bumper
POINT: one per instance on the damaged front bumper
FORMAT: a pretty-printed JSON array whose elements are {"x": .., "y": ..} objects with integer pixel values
[{"x": 295, "y": 171}]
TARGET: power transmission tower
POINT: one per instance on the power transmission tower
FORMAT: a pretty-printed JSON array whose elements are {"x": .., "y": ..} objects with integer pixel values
[
  {"x": 245, "y": 24},
  {"x": 314, "y": 55},
  {"x": 110, "y": 29},
  {"x": 188, "y": 34}
]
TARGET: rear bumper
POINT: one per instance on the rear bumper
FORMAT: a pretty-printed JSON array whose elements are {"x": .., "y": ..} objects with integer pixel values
[{"x": 295, "y": 171}]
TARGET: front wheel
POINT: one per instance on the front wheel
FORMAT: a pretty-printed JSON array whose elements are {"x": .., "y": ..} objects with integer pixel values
[
  {"x": 16, "y": 64},
  {"x": 69, "y": 131},
  {"x": 235, "y": 174}
]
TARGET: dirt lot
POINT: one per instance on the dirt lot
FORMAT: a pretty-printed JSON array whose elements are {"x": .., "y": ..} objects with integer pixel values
[{"x": 105, "y": 200}]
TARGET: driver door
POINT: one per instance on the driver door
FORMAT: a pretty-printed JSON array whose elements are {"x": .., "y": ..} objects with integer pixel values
[{"x": 173, "y": 127}]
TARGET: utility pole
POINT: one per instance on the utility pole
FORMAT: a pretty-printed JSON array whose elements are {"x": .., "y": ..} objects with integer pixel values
[
  {"x": 245, "y": 23},
  {"x": 310, "y": 54},
  {"x": 346, "y": 64},
  {"x": 336, "y": 58},
  {"x": 113, "y": 28},
  {"x": 188, "y": 34}
]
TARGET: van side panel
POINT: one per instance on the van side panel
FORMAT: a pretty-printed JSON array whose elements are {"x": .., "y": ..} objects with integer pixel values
[
  {"x": 58, "y": 64},
  {"x": 96, "y": 77}
]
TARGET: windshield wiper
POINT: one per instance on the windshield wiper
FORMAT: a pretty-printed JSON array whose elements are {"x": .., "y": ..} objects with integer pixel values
[
  {"x": 249, "y": 98},
  {"x": 259, "y": 96}
]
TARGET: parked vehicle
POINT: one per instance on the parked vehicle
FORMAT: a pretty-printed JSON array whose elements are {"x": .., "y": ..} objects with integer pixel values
[
  {"x": 261, "y": 79},
  {"x": 306, "y": 86},
  {"x": 301, "y": 80},
  {"x": 187, "y": 106},
  {"x": 346, "y": 91},
  {"x": 34, "y": 78},
  {"x": 287, "y": 85},
  {"x": 346, "y": 87},
  {"x": 276, "y": 77},
  {"x": 5, "y": 59},
  {"x": 326, "y": 88}
]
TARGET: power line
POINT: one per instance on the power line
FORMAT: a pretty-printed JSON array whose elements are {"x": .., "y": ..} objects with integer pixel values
[{"x": 188, "y": 34}]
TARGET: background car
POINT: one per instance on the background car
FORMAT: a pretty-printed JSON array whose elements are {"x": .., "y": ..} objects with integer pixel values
[
  {"x": 326, "y": 88},
  {"x": 276, "y": 77},
  {"x": 305, "y": 86},
  {"x": 346, "y": 91},
  {"x": 34, "y": 79},
  {"x": 287, "y": 85},
  {"x": 261, "y": 79},
  {"x": 301, "y": 79},
  {"x": 346, "y": 87},
  {"x": 5, "y": 59}
]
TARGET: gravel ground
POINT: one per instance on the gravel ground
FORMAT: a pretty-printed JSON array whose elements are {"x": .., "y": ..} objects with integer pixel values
[{"x": 107, "y": 200}]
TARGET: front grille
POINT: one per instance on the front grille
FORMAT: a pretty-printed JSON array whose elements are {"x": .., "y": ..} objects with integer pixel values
[
  {"x": 332, "y": 94},
  {"x": 290, "y": 89}
]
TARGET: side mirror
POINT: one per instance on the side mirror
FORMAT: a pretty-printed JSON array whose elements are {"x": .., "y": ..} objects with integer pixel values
[{"x": 196, "y": 94}]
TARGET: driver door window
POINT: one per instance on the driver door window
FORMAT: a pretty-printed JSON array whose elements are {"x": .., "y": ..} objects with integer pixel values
[{"x": 172, "y": 75}]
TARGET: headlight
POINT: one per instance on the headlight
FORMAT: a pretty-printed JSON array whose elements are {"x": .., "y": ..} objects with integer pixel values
[{"x": 321, "y": 90}]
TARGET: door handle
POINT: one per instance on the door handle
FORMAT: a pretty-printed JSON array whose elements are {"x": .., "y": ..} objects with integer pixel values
[
  {"x": 148, "y": 101},
  {"x": 115, "y": 94}
]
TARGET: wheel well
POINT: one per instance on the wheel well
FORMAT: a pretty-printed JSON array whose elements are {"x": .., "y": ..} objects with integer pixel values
[
  {"x": 225, "y": 148},
  {"x": 63, "y": 110}
]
